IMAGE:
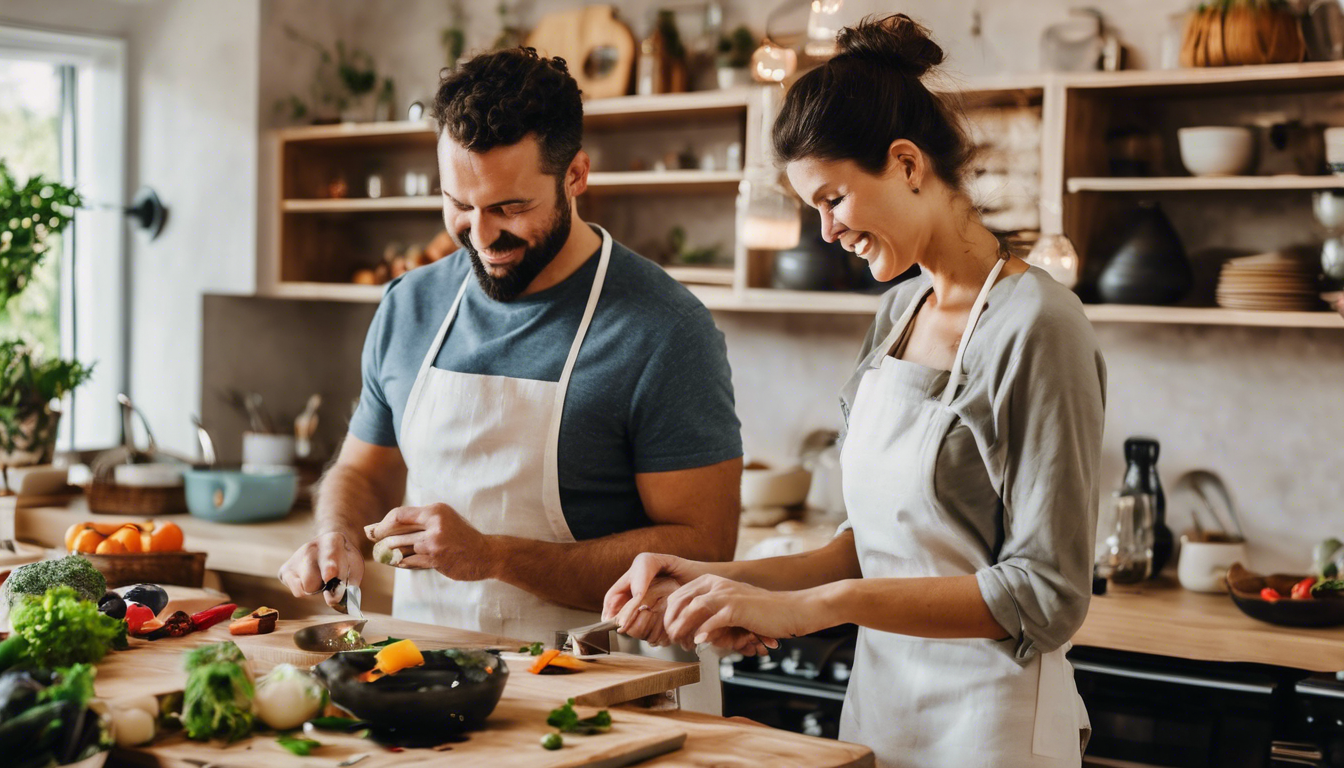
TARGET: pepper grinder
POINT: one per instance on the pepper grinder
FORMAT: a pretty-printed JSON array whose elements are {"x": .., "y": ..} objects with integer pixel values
[{"x": 1141, "y": 477}]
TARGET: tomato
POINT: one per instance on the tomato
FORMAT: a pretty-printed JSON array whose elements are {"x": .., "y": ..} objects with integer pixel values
[
  {"x": 1302, "y": 589},
  {"x": 136, "y": 616},
  {"x": 1270, "y": 594}
]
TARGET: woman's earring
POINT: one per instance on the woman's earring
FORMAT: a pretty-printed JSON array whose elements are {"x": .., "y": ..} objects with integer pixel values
[{"x": 915, "y": 190}]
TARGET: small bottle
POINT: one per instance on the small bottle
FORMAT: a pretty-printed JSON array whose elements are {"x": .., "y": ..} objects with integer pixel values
[{"x": 1141, "y": 478}]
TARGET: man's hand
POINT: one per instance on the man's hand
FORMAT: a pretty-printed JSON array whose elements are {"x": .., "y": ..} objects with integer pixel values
[
  {"x": 437, "y": 537},
  {"x": 329, "y": 556}
]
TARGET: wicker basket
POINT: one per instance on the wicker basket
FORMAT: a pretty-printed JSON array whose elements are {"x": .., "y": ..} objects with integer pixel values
[
  {"x": 112, "y": 499},
  {"x": 184, "y": 569}
]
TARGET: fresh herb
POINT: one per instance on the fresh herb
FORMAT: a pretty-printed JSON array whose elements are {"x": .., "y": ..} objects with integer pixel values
[
  {"x": 297, "y": 744},
  {"x": 552, "y": 741},
  {"x": 342, "y": 724},
  {"x": 536, "y": 649},
  {"x": 240, "y": 612},
  {"x": 217, "y": 700},
  {"x": 61, "y": 629},
  {"x": 566, "y": 720},
  {"x": 210, "y": 654},
  {"x": 1330, "y": 585},
  {"x": 73, "y": 684},
  {"x": 475, "y": 665},
  {"x": 385, "y": 643},
  {"x": 352, "y": 638}
]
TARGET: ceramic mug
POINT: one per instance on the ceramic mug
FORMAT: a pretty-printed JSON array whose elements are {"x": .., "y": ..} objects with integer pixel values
[
  {"x": 264, "y": 452},
  {"x": 1203, "y": 564}
]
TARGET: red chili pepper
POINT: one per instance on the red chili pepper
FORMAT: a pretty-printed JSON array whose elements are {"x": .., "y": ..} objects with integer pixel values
[
  {"x": 1270, "y": 594},
  {"x": 136, "y": 616},
  {"x": 212, "y": 616},
  {"x": 1302, "y": 589}
]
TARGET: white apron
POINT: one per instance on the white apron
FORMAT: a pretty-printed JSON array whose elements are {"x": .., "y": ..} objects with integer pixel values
[
  {"x": 922, "y": 702},
  {"x": 487, "y": 447}
]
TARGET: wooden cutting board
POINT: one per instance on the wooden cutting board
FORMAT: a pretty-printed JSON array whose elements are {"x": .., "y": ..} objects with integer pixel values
[
  {"x": 513, "y": 738},
  {"x": 613, "y": 679}
]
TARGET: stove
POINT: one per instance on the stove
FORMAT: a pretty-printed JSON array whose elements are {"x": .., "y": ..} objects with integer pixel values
[{"x": 799, "y": 687}]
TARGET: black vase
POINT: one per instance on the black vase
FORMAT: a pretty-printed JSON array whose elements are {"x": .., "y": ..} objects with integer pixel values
[{"x": 1147, "y": 265}]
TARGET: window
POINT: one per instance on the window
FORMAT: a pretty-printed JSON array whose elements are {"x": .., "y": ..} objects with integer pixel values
[{"x": 62, "y": 114}]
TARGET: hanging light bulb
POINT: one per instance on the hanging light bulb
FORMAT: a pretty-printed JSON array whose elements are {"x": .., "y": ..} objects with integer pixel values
[
  {"x": 773, "y": 63},
  {"x": 822, "y": 27},
  {"x": 1055, "y": 254}
]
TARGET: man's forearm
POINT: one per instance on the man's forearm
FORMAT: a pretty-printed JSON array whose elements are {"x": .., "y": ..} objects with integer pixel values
[
  {"x": 346, "y": 501},
  {"x": 578, "y": 574}
]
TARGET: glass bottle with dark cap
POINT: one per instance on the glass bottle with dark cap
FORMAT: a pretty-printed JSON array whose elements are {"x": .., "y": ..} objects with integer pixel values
[{"x": 1141, "y": 478}]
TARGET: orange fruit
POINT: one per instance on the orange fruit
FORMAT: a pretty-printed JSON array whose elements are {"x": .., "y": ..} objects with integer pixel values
[
  {"x": 110, "y": 546},
  {"x": 71, "y": 533},
  {"x": 106, "y": 529},
  {"x": 166, "y": 538},
  {"x": 87, "y": 541},
  {"x": 129, "y": 537}
]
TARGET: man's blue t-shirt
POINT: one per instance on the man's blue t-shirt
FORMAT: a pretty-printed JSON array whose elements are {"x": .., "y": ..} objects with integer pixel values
[{"x": 651, "y": 389}]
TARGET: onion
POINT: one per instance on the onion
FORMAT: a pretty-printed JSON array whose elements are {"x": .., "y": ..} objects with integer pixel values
[{"x": 288, "y": 697}]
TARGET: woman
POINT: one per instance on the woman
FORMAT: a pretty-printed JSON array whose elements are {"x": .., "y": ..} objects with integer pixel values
[{"x": 974, "y": 436}]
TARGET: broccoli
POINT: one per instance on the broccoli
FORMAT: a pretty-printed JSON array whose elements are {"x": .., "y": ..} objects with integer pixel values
[{"x": 73, "y": 571}]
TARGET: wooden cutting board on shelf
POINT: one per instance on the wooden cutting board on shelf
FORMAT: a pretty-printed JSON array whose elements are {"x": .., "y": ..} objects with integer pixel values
[
  {"x": 513, "y": 738},
  {"x": 608, "y": 680}
]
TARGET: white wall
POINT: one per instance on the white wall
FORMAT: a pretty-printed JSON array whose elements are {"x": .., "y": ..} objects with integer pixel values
[{"x": 193, "y": 136}]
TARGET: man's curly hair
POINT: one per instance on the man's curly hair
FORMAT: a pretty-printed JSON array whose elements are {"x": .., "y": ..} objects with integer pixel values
[{"x": 496, "y": 99}]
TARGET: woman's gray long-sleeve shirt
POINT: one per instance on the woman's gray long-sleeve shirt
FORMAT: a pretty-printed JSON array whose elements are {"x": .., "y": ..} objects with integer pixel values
[{"x": 1019, "y": 465}]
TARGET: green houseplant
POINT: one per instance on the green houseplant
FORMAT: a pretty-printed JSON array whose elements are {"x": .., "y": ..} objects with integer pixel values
[
  {"x": 734, "y": 58},
  {"x": 30, "y": 215}
]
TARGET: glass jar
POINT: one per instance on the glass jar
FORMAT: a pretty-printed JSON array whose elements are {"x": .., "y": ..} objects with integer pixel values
[{"x": 1125, "y": 538}]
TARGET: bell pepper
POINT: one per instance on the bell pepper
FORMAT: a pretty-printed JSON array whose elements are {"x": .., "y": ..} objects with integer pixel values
[
  {"x": 212, "y": 616},
  {"x": 1270, "y": 594},
  {"x": 259, "y": 622},
  {"x": 1302, "y": 589}
]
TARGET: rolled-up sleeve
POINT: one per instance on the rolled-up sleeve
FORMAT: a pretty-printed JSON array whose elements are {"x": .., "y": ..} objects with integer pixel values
[{"x": 1049, "y": 410}]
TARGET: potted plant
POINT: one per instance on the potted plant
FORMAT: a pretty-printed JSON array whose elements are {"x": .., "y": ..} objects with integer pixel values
[
  {"x": 1234, "y": 32},
  {"x": 30, "y": 385},
  {"x": 734, "y": 58}
]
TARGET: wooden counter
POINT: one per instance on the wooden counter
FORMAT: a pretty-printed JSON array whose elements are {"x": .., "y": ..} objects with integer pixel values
[{"x": 1159, "y": 618}]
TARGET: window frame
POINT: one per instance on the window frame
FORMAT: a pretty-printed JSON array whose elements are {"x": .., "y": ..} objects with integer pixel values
[{"x": 93, "y": 321}]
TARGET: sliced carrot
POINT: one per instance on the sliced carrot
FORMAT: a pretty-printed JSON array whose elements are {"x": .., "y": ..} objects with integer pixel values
[
  {"x": 542, "y": 661},
  {"x": 567, "y": 662}
]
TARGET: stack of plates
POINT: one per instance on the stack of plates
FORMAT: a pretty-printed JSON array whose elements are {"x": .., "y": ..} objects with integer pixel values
[{"x": 1270, "y": 281}]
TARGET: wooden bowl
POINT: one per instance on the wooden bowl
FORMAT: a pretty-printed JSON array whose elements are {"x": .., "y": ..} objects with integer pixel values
[
  {"x": 184, "y": 569},
  {"x": 1245, "y": 586}
]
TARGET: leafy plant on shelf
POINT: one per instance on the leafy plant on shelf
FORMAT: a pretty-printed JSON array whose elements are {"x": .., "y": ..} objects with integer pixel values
[{"x": 31, "y": 214}]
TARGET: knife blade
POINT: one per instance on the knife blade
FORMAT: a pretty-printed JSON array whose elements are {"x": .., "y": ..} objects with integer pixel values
[
  {"x": 588, "y": 640},
  {"x": 352, "y": 598}
]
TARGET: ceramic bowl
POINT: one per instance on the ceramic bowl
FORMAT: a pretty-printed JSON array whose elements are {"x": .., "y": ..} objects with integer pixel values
[
  {"x": 764, "y": 486},
  {"x": 228, "y": 496},
  {"x": 1215, "y": 150},
  {"x": 454, "y": 691},
  {"x": 1245, "y": 588}
]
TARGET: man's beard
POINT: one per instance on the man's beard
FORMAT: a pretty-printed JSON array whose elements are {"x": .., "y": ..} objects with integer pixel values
[{"x": 535, "y": 257}]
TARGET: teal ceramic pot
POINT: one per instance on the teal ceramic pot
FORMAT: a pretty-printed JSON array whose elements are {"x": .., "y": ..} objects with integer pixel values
[{"x": 230, "y": 496}]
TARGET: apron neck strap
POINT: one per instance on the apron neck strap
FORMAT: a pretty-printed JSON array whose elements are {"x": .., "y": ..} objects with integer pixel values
[{"x": 954, "y": 380}]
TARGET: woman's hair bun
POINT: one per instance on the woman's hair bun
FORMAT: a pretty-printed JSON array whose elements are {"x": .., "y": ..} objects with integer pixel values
[{"x": 897, "y": 41}]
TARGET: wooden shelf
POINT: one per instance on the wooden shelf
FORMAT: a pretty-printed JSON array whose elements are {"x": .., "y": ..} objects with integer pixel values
[
  {"x": 702, "y": 275},
  {"x": 326, "y": 292},
  {"x": 364, "y": 205},
  {"x": 623, "y": 112},
  {"x": 664, "y": 182},
  {"x": 1203, "y": 183},
  {"x": 360, "y": 133},
  {"x": 1122, "y": 313},
  {"x": 1214, "y": 81}
]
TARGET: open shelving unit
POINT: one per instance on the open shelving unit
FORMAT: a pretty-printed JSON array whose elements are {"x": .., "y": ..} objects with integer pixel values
[{"x": 321, "y": 239}]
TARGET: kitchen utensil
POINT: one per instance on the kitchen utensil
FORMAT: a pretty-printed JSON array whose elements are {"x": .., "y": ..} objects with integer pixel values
[
  {"x": 1074, "y": 45},
  {"x": 1270, "y": 281},
  {"x": 229, "y": 496},
  {"x": 353, "y": 598},
  {"x": 331, "y": 638},
  {"x": 134, "y": 455},
  {"x": 1214, "y": 150},
  {"x": 588, "y": 640},
  {"x": 455, "y": 690},
  {"x": 331, "y": 584},
  {"x": 1217, "y": 500},
  {"x": 1125, "y": 555},
  {"x": 257, "y": 418},
  {"x": 267, "y": 452},
  {"x": 1203, "y": 565},
  {"x": 305, "y": 426},
  {"x": 207, "y": 443},
  {"x": 1245, "y": 587},
  {"x": 600, "y": 47}
]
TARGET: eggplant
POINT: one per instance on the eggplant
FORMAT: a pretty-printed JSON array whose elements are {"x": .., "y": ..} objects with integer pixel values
[
  {"x": 152, "y": 596},
  {"x": 113, "y": 605},
  {"x": 19, "y": 689}
]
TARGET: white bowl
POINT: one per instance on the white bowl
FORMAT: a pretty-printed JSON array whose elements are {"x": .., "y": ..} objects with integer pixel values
[
  {"x": 148, "y": 475},
  {"x": 1215, "y": 150},
  {"x": 764, "y": 486}
]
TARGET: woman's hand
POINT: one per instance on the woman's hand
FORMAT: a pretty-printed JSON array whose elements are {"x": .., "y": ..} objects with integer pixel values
[{"x": 713, "y": 609}]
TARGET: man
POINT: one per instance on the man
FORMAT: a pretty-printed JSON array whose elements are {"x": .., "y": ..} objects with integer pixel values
[{"x": 548, "y": 403}]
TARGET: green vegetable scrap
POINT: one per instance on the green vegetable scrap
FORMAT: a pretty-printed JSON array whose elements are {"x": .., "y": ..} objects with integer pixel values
[
  {"x": 73, "y": 571},
  {"x": 552, "y": 741},
  {"x": 297, "y": 744},
  {"x": 1327, "y": 588},
  {"x": 566, "y": 720},
  {"x": 343, "y": 724},
  {"x": 217, "y": 700},
  {"x": 61, "y": 629},
  {"x": 74, "y": 684},
  {"x": 536, "y": 649}
]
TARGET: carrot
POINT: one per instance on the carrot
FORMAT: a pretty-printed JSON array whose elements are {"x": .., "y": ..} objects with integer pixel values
[{"x": 542, "y": 661}]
